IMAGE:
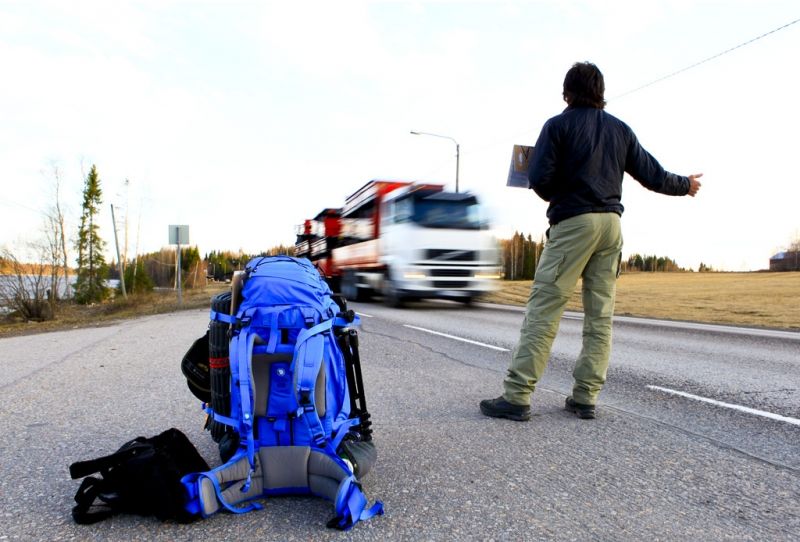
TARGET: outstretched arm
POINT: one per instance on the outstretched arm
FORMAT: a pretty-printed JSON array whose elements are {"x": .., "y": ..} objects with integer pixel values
[{"x": 642, "y": 166}]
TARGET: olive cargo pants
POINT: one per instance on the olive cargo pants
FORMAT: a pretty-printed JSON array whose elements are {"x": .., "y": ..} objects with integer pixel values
[{"x": 587, "y": 246}]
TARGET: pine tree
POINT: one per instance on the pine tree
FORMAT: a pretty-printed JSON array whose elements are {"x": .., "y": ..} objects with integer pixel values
[
  {"x": 137, "y": 280},
  {"x": 90, "y": 285}
]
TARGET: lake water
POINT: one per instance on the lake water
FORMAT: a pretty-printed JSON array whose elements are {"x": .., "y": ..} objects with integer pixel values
[{"x": 8, "y": 282}]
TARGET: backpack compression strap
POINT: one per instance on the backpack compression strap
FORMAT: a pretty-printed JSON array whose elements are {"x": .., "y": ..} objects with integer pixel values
[
  {"x": 351, "y": 505},
  {"x": 222, "y": 317}
]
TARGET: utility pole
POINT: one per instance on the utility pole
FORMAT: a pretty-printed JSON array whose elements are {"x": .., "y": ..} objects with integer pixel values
[
  {"x": 127, "y": 211},
  {"x": 119, "y": 261},
  {"x": 178, "y": 234},
  {"x": 178, "y": 274}
]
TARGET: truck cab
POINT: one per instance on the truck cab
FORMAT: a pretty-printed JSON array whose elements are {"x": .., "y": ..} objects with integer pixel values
[
  {"x": 435, "y": 244},
  {"x": 405, "y": 240}
]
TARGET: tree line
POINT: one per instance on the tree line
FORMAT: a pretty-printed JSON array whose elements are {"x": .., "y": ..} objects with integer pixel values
[
  {"x": 653, "y": 263},
  {"x": 222, "y": 264},
  {"x": 158, "y": 269},
  {"x": 519, "y": 257}
]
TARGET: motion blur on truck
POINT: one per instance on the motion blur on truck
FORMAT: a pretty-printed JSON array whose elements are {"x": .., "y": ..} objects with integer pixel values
[{"x": 403, "y": 240}]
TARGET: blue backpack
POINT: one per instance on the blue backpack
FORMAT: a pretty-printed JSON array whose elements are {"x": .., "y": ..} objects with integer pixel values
[{"x": 293, "y": 404}]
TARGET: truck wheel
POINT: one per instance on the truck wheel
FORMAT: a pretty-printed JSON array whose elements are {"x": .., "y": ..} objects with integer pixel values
[{"x": 391, "y": 297}]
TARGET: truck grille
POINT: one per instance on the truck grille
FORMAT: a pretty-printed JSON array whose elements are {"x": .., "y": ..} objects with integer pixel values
[
  {"x": 450, "y": 272},
  {"x": 451, "y": 255}
]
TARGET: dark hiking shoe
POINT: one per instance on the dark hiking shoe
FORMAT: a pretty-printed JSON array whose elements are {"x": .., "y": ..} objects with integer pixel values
[
  {"x": 500, "y": 408},
  {"x": 584, "y": 412}
]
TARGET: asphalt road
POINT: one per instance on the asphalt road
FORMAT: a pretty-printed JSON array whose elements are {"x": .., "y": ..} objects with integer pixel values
[{"x": 721, "y": 462}]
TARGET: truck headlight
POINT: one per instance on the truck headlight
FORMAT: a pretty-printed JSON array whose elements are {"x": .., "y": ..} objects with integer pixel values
[
  {"x": 414, "y": 275},
  {"x": 490, "y": 276}
]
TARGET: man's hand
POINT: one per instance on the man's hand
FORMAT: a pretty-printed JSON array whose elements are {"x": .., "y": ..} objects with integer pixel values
[{"x": 694, "y": 184}]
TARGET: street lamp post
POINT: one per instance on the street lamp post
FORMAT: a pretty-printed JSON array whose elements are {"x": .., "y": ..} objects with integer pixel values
[{"x": 458, "y": 149}]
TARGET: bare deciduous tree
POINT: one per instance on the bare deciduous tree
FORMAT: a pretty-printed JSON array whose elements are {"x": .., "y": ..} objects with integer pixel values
[
  {"x": 55, "y": 233},
  {"x": 26, "y": 287},
  {"x": 794, "y": 244}
]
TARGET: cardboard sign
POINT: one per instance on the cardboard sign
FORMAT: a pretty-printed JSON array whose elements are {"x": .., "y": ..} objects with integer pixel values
[{"x": 518, "y": 170}]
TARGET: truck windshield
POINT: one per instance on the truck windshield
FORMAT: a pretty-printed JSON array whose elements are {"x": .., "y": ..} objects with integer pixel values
[{"x": 438, "y": 213}]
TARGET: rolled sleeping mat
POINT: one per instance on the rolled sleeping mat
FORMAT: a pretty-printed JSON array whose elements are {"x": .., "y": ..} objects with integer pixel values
[{"x": 219, "y": 364}]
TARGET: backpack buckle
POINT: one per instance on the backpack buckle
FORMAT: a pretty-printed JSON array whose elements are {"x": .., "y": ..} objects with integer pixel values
[
  {"x": 244, "y": 321},
  {"x": 305, "y": 397}
]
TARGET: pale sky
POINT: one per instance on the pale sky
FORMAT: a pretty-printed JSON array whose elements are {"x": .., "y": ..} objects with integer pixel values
[{"x": 241, "y": 119}]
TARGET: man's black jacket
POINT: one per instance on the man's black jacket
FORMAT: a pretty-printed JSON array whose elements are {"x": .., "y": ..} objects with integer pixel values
[{"x": 579, "y": 161}]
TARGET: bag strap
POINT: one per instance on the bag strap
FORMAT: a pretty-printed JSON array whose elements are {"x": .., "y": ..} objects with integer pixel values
[
  {"x": 222, "y": 317},
  {"x": 342, "y": 428},
  {"x": 79, "y": 469},
  {"x": 195, "y": 499},
  {"x": 225, "y": 504},
  {"x": 351, "y": 505},
  {"x": 241, "y": 353},
  {"x": 308, "y": 357},
  {"x": 89, "y": 490}
]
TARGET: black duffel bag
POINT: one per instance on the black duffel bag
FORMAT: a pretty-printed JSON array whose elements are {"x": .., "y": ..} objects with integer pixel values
[{"x": 142, "y": 477}]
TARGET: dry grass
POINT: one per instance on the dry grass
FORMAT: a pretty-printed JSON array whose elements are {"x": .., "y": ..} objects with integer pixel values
[
  {"x": 769, "y": 300},
  {"x": 71, "y": 315}
]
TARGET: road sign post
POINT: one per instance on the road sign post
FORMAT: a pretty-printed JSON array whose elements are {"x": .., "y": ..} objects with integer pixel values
[{"x": 178, "y": 234}]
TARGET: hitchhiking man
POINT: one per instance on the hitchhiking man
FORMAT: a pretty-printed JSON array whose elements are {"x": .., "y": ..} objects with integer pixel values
[{"x": 577, "y": 166}]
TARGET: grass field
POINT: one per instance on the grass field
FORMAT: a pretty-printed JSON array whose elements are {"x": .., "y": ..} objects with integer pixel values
[{"x": 748, "y": 299}]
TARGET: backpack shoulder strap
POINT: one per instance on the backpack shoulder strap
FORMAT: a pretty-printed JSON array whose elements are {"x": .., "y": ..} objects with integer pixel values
[
  {"x": 241, "y": 358},
  {"x": 308, "y": 356}
]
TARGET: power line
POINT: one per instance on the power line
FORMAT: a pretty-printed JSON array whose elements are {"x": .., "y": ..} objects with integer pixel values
[
  {"x": 651, "y": 83},
  {"x": 726, "y": 51}
]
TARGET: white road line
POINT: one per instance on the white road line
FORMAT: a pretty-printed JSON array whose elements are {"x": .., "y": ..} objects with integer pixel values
[
  {"x": 364, "y": 315},
  {"x": 457, "y": 338},
  {"x": 770, "y": 415}
]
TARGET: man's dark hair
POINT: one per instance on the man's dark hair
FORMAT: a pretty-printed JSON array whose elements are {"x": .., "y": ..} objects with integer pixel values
[{"x": 584, "y": 86}]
